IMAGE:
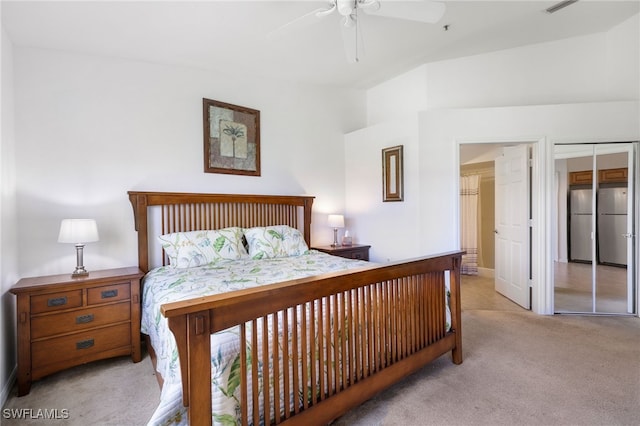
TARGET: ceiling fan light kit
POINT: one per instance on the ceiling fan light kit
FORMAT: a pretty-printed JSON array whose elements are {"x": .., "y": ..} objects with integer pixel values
[
  {"x": 346, "y": 7},
  {"x": 416, "y": 10}
]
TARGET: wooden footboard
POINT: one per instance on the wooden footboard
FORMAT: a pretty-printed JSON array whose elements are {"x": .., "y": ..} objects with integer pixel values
[{"x": 318, "y": 346}]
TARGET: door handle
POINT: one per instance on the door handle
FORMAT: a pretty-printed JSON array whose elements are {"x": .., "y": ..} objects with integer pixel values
[
  {"x": 628, "y": 235},
  {"x": 495, "y": 231}
]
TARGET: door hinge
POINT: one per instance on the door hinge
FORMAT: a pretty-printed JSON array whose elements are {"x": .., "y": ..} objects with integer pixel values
[
  {"x": 530, "y": 223},
  {"x": 530, "y": 283}
]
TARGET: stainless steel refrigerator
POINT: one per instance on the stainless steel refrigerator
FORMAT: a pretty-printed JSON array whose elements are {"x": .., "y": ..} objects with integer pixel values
[
  {"x": 581, "y": 213},
  {"x": 612, "y": 225}
]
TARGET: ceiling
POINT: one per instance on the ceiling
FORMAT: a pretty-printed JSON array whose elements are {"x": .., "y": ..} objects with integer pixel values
[{"x": 242, "y": 37}]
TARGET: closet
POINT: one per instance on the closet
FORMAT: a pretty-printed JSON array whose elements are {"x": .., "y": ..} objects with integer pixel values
[{"x": 595, "y": 250}]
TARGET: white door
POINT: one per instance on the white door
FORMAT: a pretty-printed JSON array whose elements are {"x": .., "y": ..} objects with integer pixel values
[{"x": 512, "y": 224}]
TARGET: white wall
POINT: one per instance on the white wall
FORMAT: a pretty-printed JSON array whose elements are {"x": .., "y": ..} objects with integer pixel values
[
  {"x": 571, "y": 70},
  {"x": 623, "y": 60},
  {"x": 8, "y": 223},
  {"x": 554, "y": 75},
  {"x": 88, "y": 129},
  {"x": 590, "y": 68},
  {"x": 368, "y": 218},
  {"x": 425, "y": 222},
  {"x": 398, "y": 97},
  {"x": 91, "y": 128}
]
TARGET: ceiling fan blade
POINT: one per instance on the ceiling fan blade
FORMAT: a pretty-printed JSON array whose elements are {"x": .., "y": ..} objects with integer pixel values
[
  {"x": 321, "y": 13},
  {"x": 303, "y": 21},
  {"x": 426, "y": 11},
  {"x": 352, "y": 39}
]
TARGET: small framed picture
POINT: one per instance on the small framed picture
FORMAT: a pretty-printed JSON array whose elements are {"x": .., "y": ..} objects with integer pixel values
[
  {"x": 392, "y": 174},
  {"x": 231, "y": 138}
]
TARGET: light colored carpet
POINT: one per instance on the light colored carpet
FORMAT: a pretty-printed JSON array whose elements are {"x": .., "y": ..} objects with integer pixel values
[
  {"x": 519, "y": 369},
  {"x": 109, "y": 392}
]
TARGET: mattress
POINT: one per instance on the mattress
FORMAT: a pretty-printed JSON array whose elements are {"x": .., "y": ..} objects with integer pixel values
[{"x": 163, "y": 285}]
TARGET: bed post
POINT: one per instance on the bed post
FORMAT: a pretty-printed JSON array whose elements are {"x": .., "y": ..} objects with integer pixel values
[
  {"x": 192, "y": 333},
  {"x": 308, "y": 203},
  {"x": 139, "y": 204},
  {"x": 456, "y": 317}
]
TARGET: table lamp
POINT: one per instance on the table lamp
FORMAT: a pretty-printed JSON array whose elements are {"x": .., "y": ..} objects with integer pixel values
[{"x": 78, "y": 232}]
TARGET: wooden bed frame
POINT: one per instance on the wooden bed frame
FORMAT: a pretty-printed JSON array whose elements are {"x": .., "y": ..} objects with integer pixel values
[{"x": 392, "y": 317}]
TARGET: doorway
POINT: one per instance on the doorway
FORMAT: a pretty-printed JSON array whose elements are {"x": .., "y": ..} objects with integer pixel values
[
  {"x": 503, "y": 250},
  {"x": 594, "y": 255}
]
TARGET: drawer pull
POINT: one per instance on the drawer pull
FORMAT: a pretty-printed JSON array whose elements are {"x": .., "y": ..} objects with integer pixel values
[
  {"x": 83, "y": 319},
  {"x": 84, "y": 344},
  {"x": 109, "y": 293},
  {"x": 58, "y": 301}
]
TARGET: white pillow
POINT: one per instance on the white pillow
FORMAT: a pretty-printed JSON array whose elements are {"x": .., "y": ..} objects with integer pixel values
[
  {"x": 197, "y": 248},
  {"x": 275, "y": 241}
]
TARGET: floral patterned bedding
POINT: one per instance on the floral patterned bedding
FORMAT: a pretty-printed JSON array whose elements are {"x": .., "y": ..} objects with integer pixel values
[{"x": 165, "y": 284}]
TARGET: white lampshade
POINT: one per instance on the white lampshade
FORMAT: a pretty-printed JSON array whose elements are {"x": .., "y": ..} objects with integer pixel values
[
  {"x": 336, "y": 221},
  {"x": 78, "y": 231}
]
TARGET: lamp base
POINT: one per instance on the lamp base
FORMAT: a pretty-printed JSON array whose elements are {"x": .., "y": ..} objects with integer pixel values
[
  {"x": 80, "y": 273},
  {"x": 335, "y": 238}
]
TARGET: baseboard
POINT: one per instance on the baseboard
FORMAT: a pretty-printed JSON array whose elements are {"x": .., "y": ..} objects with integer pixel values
[
  {"x": 6, "y": 389},
  {"x": 486, "y": 272}
]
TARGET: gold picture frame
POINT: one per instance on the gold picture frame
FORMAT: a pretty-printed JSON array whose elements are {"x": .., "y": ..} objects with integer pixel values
[
  {"x": 392, "y": 174},
  {"x": 231, "y": 138}
]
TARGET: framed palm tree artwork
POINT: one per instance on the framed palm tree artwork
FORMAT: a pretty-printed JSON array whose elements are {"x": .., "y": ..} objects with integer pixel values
[{"x": 231, "y": 138}]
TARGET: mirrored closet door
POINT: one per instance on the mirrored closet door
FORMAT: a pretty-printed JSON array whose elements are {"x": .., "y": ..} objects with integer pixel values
[{"x": 594, "y": 255}]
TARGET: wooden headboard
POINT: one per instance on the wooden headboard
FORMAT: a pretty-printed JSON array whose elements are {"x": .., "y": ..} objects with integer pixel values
[{"x": 158, "y": 213}]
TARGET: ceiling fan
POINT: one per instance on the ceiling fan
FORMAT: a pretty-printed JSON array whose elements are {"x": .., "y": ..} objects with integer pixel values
[{"x": 348, "y": 11}]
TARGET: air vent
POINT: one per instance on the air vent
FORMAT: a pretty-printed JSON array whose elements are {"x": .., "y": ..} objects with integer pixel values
[{"x": 561, "y": 5}]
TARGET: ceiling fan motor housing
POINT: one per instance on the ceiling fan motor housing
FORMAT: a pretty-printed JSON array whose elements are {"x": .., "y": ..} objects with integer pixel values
[{"x": 348, "y": 7}]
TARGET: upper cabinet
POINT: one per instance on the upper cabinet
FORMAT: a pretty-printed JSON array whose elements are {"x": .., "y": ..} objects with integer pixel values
[
  {"x": 619, "y": 175},
  {"x": 613, "y": 175}
]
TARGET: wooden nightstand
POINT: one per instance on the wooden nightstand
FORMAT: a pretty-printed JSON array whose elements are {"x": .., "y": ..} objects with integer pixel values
[
  {"x": 355, "y": 251},
  {"x": 64, "y": 321}
]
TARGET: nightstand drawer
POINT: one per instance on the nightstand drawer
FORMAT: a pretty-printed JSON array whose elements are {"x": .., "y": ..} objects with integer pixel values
[
  {"x": 356, "y": 251},
  {"x": 108, "y": 293},
  {"x": 68, "y": 322},
  {"x": 56, "y": 301},
  {"x": 75, "y": 346},
  {"x": 355, "y": 254}
]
